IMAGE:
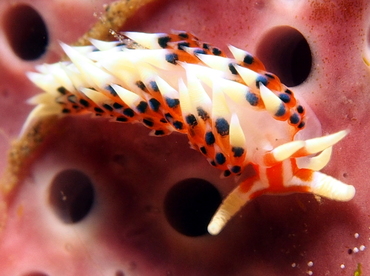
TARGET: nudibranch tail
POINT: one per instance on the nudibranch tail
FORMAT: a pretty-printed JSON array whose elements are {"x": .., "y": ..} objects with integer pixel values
[{"x": 233, "y": 112}]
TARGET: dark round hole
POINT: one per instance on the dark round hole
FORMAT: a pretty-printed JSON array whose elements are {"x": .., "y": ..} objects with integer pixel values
[
  {"x": 26, "y": 32},
  {"x": 286, "y": 53},
  {"x": 190, "y": 205},
  {"x": 35, "y": 273},
  {"x": 71, "y": 195}
]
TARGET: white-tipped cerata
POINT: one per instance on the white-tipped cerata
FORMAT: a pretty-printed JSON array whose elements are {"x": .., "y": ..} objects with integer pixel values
[
  {"x": 97, "y": 97},
  {"x": 103, "y": 45},
  {"x": 130, "y": 98},
  {"x": 150, "y": 41},
  {"x": 272, "y": 102},
  {"x": 249, "y": 76},
  {"x": 237, "y": 137},
  {"x": 92, "y": 74}
]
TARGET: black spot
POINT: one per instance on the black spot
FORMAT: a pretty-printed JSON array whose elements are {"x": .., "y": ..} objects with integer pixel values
[
  {"x": 154, "y": 86},
  {"x": 238, "y": 151},
  {"x": 162, "y": 41},
  {"x": 205, "y": 46},
  {"x": 141, "y": 85},
  {"x": 142, "y": 106},
  {"x": 172, "y": 103},
  {"x": 203, "y": 150},
  {"x": 159, "y": 132},
  {"x": 251, "y": 98},
  {"x": 148, "y": 122},
  {"x": 232, "y": 69},
  {"x": 117, "y": 105},
  {"x": 216, "y": 51},
  {"x": 261, "y": 79},
  {"x": 248, "y": 59},
  {"x": 300, "y": 109},
  {"x": 281, "y": 111},
  {"x": 62, "y": 90},
  {"x": 172, "y": 58},
  {"x": 288, "y": 91},
  {"x": 227, "y": 173},
  {"x": 177, "y": 124},
  {"x": 200, "y": 51},
  {"x": 220, "y": 158},
  {"x": 66, "y": 111},
  {"x": 209, "y": 138},
  {"x": 128, "y": 112},
  {"x": 189, "y": 206},
  {"x": 269, "y": 75},
  {"x": 84, "y": 103},
  {"x": 107, "y": 107},
  {"x": 121, "y": 119},
  {"x": 168, "y": 117},
  {"x": 236, "y": 169},
  {"x": 183, "y": 35},
  {"x": 202, "y": 113},
  {"x": 191, "y": 120},
  {"x": 154, "y": 104},
  {"x": 181, "y": 45},
  {"x": 71, "y": 195},
  {"x": 98, "y": 109},
  {"x": 213, "y": 163},
  {"x": 222, "y": 126},
  {"x": 294, "y": 119},
  {"x": 285, "y": 98},
  {"x": 163, "y": 120},
  {"x": 111, "y": 90},
  {"x": 72, "y": 98},
  {"x": 301, "y": 125}
]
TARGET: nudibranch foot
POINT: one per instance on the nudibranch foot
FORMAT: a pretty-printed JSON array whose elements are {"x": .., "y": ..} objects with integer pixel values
[{"x": 233, "y": 112}]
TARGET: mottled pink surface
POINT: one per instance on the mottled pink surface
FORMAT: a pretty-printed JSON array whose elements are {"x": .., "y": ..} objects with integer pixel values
[{"x": 126, "y": 232}]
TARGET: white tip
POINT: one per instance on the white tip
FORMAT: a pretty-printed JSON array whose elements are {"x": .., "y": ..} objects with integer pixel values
[
  {"x": 103, "y": 45},
  {"x": 215, "y": 62},
  {"x": 249, "y": 76},
  {"x": 238, "y": 54},
  {"x": 219, "y": 105},
  {"x": 96, "y": 96},
  {"x": 271, "y": 101},
  {"x": 165, "y": 89},
  {"x": 149, "y": 41},
  {"x": 90, "y": 72},
  {"x": 237, "y": 138},
  {"x": 130, "y": 98}
]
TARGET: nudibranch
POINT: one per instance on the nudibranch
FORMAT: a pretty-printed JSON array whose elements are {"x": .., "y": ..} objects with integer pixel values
[{"x": 232, "y": 110}]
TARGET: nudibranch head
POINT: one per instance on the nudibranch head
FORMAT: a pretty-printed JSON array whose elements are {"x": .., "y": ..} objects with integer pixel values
[{"x": 232, "y": 110}]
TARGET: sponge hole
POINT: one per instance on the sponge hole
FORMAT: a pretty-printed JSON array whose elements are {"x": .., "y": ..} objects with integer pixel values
[
  {"x": 71, "y": 195},
  {"x": 189, "y": 206},
  {"x": 286, "y": 53},
  {"x": 26, "y": 32},
  {"x": 35, "y": 273}
]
